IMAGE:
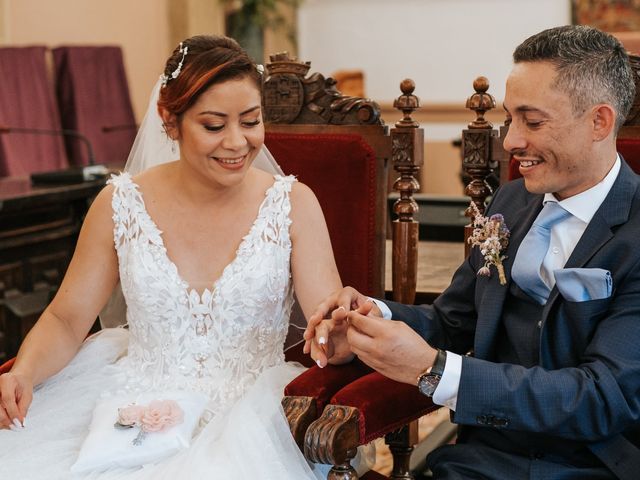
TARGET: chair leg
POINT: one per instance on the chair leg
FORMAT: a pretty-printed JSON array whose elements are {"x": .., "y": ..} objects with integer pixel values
[
  {"x": 342, "y": 472},
  {"x": 401, "y": 444}
]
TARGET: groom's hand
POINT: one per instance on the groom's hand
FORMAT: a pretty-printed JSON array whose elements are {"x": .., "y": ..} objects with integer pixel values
[
  {"x": 390, "y": 347},
  {"x": 334, "y": 307}
]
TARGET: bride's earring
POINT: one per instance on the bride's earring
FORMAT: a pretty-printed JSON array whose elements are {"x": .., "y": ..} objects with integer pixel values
[{"x": 174, "y": 148}]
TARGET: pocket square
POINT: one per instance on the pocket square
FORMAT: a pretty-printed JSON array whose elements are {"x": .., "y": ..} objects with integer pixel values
[{"x": 582, "y": 284}]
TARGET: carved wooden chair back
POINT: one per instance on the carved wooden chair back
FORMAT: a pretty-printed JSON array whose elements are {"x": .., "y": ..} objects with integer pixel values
[
  {"x": 315, "y": 120},
  {"x": 339, "y": 146}
]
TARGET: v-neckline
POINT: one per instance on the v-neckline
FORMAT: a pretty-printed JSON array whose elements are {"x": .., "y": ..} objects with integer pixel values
[{"x": 245, "y": 238}]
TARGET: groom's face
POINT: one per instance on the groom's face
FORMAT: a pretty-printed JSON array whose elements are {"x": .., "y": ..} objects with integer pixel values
[{"x": 552, "y": 143}]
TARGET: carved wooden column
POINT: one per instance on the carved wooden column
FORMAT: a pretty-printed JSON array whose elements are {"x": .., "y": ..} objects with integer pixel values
[
  {"x": 407, "y": 153},
  {"x": 477, "y": 143},
  {"x": 407, "y": 149}
]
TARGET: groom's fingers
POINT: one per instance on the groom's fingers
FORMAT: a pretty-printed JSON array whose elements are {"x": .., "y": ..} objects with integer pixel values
[
  {"x": 366, "y": 307},
  {"x": 370, "y": 326},
  {"x": 342, "y": 298}
]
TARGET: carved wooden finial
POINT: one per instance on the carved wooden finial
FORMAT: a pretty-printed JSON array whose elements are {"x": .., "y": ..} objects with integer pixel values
[
  {"x": 477, "y": 150},
  {"x": 481, "y": 102},
  {"x": 407, "y": 146},
  {"x": 407, "y": 103}
]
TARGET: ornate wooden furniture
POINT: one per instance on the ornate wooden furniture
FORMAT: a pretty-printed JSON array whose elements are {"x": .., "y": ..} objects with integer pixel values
[
  {"x": 338, "y": 145},
  {"x": 38, "y": 231}
]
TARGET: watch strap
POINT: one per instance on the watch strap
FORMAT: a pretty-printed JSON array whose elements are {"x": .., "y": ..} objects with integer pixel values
[{"x": 439, "y": 363}]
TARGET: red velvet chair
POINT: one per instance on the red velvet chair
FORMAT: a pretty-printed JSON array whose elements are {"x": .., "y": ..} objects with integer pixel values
[
  {"x": 93, "y": 98},
  {"x": 27, "y": 102},
  {"x": 339, "y": 147}
]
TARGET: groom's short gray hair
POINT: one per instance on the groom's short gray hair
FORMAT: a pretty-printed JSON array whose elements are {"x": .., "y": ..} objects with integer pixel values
[{"x": 593, "y": 66}]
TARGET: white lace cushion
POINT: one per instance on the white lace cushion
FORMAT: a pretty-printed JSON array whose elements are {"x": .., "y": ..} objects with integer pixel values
[{"x": 107, "y": 447}]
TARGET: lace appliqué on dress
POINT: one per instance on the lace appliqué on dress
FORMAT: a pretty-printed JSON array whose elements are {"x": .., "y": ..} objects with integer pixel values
[{"x": 216, "y": 342}]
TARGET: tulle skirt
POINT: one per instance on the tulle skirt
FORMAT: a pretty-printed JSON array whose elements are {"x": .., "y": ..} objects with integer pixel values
[{"x": 251, "y": 440}]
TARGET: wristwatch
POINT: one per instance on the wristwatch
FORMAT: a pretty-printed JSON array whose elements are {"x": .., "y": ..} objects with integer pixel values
[{"x": 430, "y": 378}]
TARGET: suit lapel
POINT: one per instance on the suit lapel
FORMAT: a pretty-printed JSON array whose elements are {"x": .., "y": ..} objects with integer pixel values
[{"x": 489, "y": 315}]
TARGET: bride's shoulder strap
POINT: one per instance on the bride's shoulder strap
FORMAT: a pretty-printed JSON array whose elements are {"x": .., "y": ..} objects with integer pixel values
[{"x": 126, "y": 203}]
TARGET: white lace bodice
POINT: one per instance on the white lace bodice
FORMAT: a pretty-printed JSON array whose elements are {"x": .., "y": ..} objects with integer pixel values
[{"x": 218, "y": 341}]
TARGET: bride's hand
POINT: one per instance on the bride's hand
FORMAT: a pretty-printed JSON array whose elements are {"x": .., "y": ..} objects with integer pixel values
[
  {"x": 16, "y": 393},
  {"x": 330, "y": 343},
  {"x": 335, "y": 307}
]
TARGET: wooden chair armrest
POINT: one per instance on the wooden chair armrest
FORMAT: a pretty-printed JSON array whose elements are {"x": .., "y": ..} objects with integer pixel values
[
  {"x": 311, "y": 391},
  {"x": 367, "y": 408}
]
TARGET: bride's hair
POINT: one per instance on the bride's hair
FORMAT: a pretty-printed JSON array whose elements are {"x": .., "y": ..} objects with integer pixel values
[{"x": 210, "y": 59}]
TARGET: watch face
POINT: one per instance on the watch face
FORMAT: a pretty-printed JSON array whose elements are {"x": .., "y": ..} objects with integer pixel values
[{"x": 428, "y": 383}]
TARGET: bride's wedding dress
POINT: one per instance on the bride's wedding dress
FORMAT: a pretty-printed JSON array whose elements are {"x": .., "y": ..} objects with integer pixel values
[{"x": 226, "y": 342}]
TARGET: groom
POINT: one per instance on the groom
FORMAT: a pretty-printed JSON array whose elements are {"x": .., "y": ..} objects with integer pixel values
[{"x": 552, "y": 390}]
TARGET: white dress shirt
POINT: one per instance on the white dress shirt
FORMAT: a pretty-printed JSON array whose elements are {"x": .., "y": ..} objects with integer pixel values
[{"x": 564, "y": 237}]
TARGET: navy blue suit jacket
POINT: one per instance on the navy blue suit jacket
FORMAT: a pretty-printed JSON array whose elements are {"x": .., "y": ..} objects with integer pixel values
[{"x": 587, "y": 385}]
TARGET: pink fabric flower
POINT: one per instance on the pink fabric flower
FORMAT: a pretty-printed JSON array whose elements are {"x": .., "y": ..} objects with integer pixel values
[{"x": 160, "y": 415}]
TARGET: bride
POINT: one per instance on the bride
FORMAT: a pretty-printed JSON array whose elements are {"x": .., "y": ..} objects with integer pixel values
[{"x": 207, "y": 249}]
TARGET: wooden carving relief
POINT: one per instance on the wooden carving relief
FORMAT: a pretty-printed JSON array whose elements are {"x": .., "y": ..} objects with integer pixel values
[
  {"x": 300, "y": 412},
  {"x": 333, "y": 438},
  {"x": 289, "y": 96},
  {"x": 401, "y": 146},
  {"x": 475, "y": 148}
]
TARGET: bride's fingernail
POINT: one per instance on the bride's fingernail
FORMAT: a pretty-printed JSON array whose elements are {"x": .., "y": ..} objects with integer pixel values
[
  {"x": 17, "y": 423},
  {"x": 322, "y": 340},
  {"x": 319, "y": 364},
  {"x": 341, "y": 308}
]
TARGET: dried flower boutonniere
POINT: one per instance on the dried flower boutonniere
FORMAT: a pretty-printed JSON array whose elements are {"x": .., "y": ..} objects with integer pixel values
[{"x": 491, "y": 236}]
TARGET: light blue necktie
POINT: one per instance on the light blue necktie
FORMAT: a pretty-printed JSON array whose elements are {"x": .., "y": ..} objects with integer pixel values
[{"x": 533, "y": 249}]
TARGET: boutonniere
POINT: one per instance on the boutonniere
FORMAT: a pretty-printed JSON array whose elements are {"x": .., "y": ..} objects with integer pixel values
[
  {"x": 491, "y": 236},
  {"x": 158, "y": 416}
]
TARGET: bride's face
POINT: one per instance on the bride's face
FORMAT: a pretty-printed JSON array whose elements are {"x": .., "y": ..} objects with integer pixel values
[{"x": 222, "y": 132}]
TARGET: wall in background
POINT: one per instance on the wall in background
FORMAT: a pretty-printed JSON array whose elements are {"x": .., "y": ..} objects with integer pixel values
[
  {"x": 443, "y": 45},
  {"x": 147, "y": 30}
]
